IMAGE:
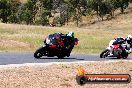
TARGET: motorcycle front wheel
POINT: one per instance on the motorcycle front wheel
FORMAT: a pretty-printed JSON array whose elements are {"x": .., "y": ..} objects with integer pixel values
[
  {"x": 39, "y": 52},
  {"x": 105, "y": 53}
]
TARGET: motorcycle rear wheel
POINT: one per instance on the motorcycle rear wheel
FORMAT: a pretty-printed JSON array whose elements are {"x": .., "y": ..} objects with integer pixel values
[{"x": 125, "y": 55}]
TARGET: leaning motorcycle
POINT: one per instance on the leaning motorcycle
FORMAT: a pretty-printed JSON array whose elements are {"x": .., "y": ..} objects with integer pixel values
[
  {"x": 118, "y": 51},
  {"x": 51, "y": 48}
]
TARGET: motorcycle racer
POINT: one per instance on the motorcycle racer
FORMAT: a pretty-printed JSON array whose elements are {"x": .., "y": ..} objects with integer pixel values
[
  {"x": 70, "y": 42},
  {"x": 118, "y": 40},
  {"x": 129, "y": 43},
  {"x": 59, "y": 40}
]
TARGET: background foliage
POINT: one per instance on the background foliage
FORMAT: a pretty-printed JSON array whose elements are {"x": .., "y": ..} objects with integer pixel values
[{"x": 39, "y": 12}]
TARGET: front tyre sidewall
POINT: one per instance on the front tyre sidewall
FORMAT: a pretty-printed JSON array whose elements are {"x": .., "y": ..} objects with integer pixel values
[
  {"x": 104, "y": 53},
  {"x": 39, "y": 52}
]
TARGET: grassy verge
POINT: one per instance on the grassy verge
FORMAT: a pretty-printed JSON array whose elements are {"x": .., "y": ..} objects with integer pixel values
[{"x": 92, "y": 39}]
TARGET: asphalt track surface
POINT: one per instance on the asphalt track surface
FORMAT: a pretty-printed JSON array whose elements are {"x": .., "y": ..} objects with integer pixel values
[{"x": 27, "y": 57}]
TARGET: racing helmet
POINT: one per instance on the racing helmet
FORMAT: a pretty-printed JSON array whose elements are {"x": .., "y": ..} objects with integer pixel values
[{"x": 70, "y": 34}]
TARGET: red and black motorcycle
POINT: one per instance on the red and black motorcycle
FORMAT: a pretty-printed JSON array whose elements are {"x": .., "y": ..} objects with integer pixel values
[{"x": 55, "y": 45}]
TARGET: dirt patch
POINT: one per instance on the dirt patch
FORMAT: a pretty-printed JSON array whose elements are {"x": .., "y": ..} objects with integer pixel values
[
  {"x": 8, "y": 43},
  {"x": 61, "y": 75}
]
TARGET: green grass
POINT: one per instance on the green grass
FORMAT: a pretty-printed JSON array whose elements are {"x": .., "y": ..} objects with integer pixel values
[{"x": 29, "y": 38}]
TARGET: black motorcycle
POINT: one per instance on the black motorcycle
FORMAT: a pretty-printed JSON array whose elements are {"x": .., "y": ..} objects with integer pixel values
[{"x": 54, "y": 47}]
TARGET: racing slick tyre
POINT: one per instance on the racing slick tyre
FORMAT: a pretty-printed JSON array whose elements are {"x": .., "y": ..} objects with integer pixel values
[
  {"x": 81, "y": 80},
  {"x": 125, "y": 56},
  {"x": 39, "y": 52},
  {"x": 104, "y": 53}
]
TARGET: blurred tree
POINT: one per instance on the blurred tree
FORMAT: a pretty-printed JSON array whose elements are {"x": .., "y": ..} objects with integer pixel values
[
  {"x": 122, "y": 4},
  {"x": 77, "y": 8},
  {"x": 5, "y": 10},
  {"x": 14, "y": 9},
  {"x": 46, "y": 12},
  {"x": 39, "y": 11}
]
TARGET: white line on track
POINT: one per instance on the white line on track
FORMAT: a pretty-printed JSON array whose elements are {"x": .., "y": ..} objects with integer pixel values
[{"x": 10, "y": 66}]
